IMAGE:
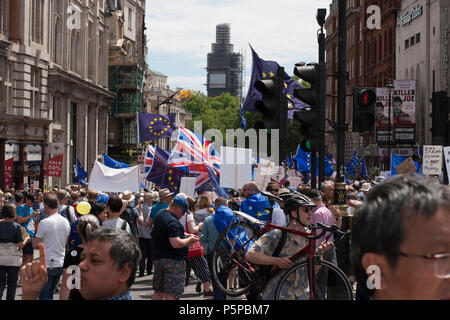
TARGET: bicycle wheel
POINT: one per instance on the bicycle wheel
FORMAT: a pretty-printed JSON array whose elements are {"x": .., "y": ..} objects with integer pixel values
[
  {"x": 229, "y": 263},
  {"x": 330, "y": 283}
]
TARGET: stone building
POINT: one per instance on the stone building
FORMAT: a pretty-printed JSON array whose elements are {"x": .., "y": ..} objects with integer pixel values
[{"x": 53, "y": 86}]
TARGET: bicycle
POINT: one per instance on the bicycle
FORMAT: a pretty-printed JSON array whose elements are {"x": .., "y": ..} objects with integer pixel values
[{"x": 236, "y": 239}]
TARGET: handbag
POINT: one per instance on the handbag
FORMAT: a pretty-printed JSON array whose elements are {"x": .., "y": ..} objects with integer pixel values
[{"x": 194, "y": 249}]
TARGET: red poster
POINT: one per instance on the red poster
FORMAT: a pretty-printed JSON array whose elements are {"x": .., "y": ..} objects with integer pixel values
[
  {"x": 9, "y": 171},
  {"x": 54, "y": 166}
]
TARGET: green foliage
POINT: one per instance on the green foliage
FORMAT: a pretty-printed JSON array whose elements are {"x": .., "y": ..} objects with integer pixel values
[{"x": 222, "y": 113}]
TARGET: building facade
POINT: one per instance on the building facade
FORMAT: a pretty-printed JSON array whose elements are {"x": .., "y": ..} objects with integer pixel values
[
  {"x": 224, "y": 67},
  {"x": 370, "y": 62},
  {"x": 54, "y": 86},
  {"x": 422, "y": 55}
]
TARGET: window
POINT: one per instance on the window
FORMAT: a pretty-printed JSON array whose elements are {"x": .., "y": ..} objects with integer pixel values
[
  {"x": 406, "y": 44},
  {"x": 418, "y": 37},
  {"x": 411, "y": 41},
  {"x": 130, "y": 19}
]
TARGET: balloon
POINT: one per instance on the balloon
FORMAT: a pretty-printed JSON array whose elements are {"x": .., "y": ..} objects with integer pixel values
[{"x": 83, "y": 207}]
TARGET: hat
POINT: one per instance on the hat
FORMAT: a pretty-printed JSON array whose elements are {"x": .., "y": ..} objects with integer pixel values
[
  {"x": 315, "y": 194},
  {"x": 127, "y": 196},
  {"x": 365, "y": 186},
  {"x": 181, "y": 202},
  {"x": 155, "y": 195},
  {"x": 164, "y": 193},
  {"x": 284, "y": 192}
]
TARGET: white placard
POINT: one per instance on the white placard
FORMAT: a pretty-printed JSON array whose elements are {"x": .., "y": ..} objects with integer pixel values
[
  {"x": 235, "y": 167},
  {"x": 187, "y": 186},
  {"x": 432, "y": 160},
  {"x": 447, "y": 160},
  {"x": 294, "y": 181}
]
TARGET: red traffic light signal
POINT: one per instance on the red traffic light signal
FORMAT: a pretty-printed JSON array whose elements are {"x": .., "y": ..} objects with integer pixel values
[{"x": 366, "y": 97}]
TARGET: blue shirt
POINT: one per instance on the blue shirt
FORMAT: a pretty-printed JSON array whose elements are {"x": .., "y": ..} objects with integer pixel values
[
  {"x": 209, "y": 234},
  {"x": 25, "y": 211},
  {"x": 157, "y": 208}
]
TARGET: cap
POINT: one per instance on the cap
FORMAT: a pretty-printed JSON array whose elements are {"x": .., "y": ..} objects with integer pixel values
[
  {"x": 284, "y": 192},
  {"x": 182, "y": 202},
  {"x": 365, "y": 186}
]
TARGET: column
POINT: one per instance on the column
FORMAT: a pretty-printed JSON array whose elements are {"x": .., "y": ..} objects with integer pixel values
[{"x": 92, "y": 137}]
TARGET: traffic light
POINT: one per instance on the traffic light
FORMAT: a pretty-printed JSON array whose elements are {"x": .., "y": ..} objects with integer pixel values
[
  {"x": 270, "y": 104},
  {"x": 364, "y": 109},
  {"x": 439, "y": 116},
  {"x": 308, "y": 117}
]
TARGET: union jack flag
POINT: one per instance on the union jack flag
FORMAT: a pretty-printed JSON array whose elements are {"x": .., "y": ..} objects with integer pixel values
[
  {"x": 194, "y": 154},
  {"x": 148, "y": 160}
]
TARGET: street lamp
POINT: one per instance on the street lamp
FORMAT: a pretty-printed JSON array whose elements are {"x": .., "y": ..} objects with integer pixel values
[{"x": 390, "y": 87}]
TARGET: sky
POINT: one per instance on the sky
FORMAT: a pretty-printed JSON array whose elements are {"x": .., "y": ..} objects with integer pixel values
[{"x": 180, "y": 34}]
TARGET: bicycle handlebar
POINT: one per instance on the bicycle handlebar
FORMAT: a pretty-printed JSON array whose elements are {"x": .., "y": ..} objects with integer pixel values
[{"x": 333, "y": 229}]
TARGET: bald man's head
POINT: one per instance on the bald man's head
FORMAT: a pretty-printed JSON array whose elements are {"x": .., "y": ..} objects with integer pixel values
[{"x": 250, "y": 188}]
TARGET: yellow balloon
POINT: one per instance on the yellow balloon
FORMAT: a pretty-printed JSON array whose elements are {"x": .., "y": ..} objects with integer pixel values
[{"x": 83, "y": 207}]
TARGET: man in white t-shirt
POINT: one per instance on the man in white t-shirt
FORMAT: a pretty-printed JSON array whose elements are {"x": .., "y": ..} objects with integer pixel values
[
  {"x": 114, "y": 207},
  {"x": 278, "y": 215},
  {"x": 53, "y": 232}
]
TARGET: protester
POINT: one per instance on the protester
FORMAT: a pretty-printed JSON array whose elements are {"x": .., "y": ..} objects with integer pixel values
[
  {"x": 64, "y": 208},
  {"x": 145, "y": 238},
  {"x": 12, "y": 240},
  {"x": 400, "y": 240},
  {"x": 108, "y": 267},
  {"x": 114, "y": 207},
  {"x": 165, "y": 196},
  {"x": 327, "y": 189},
  {"x": 100, "y": 212},
  {"x": 299, "y": 211},
  {"x": 169, "y": 247},
  {"x": 53, "y": 232},
  {"x": 86, "y": 225},
  {"x": 365, "y": 189},
  {"x": 203, "y": 210},
  {"x": 255, "y": 204},
  {"x": 129, "y": 213},
  {"x": 278, "y": 215},
  {"x": 25, "y": 217},
  {"x": 208, "y": 239}
]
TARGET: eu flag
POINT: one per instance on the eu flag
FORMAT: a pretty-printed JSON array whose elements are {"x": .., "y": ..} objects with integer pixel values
[
  {"x": 155, "y": 126},
  {"x": 263, "y": 69},
  {"x": 80, "y": 174},
  {"x": 110, "y": 162},
  {"x": 303, "y": 160},
  {"x": 163, "y": 174}
]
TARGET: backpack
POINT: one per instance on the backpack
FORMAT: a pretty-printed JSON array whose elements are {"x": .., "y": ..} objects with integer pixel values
[{"x": 126, "y": 215}]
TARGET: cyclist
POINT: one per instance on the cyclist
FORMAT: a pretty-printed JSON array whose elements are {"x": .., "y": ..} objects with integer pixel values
[{"x": 299, "y": 211}]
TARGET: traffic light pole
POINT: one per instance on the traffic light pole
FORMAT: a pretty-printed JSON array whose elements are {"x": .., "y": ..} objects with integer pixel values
[
  {"x": 283, "y": 113},
  {"x": 322, "y": 107}
]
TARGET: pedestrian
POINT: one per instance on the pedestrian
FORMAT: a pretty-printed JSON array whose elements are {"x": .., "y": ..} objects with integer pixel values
[
  {"x": 145, "y": 237},
  {"x": 100, "y": 212},
  {"x": 107, "y": 269},
  {"x": 12, "y": 239},
  {"x": 321, "y": 214},
  {"x": 203, "y": 209},
  {"x": 165, "y": 197},
  {"x": 114, "y": 206},
  {"x": 169, "y": 247},
  {"x": 208, "y": 239},
  {"x": 25, "y": 217},
  {"x": 64, "y": 208},
  {"x": 278, "y": 215},
  {"x": 400, "y": 240},
  {"x": 129, "y": 213},
  {"x": 86, "y": 225},
  {"x": 53, "y": 232},
  {"x": 255, "y": 204},
  {"x": 197, "y": 263},
  {"x": 299, "y": 212}
]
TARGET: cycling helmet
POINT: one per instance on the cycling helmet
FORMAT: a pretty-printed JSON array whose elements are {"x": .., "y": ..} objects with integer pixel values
[{"x": 297, "y": 201}]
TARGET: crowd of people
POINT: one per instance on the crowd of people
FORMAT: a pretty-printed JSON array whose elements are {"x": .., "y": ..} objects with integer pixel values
[{"x": 93, "y": 245}]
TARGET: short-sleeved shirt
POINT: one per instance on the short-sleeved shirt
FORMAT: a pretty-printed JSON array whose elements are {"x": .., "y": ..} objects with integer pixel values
[
  {"x": 157, "y": 208},
  {"x": 167, "y": 226},
  {"x": 25, "y": 211},
  {"x": 323, "y": 215},
  {"x": 54, "y": 232},
  {"x": 10, "y": 232},
  {"x": 267, "y": 243}
]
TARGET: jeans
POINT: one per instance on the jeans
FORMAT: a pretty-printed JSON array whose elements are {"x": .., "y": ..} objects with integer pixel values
[
  {"x": 53, "y": 274},
  {"x": 9, "y": 277},
  {"x": 322, "y": 275},
  {"x": 146, "y": 250},
  {"x": 217, "y": 293}
]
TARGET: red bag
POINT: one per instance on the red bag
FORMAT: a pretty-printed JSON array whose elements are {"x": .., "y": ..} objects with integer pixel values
[{"x": 194, "y": 249}]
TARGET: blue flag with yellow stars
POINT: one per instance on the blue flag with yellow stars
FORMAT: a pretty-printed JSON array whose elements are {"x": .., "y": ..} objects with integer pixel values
[
  {"x": 163, "y": 174},
  {"x": 110, "y": 162},
  {"x": 155, "y": 126},
  {"x": 263, "y": 69},
  {"x": 303, "y": 160}
]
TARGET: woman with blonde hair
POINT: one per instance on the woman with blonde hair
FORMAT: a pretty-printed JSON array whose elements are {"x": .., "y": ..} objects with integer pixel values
[
  {"x": 204, "y": 209},
  {"x": 87, "y": 224}
]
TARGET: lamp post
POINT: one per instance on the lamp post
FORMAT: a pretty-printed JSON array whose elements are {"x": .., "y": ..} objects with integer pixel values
[{"x": 390, "y": 87}]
